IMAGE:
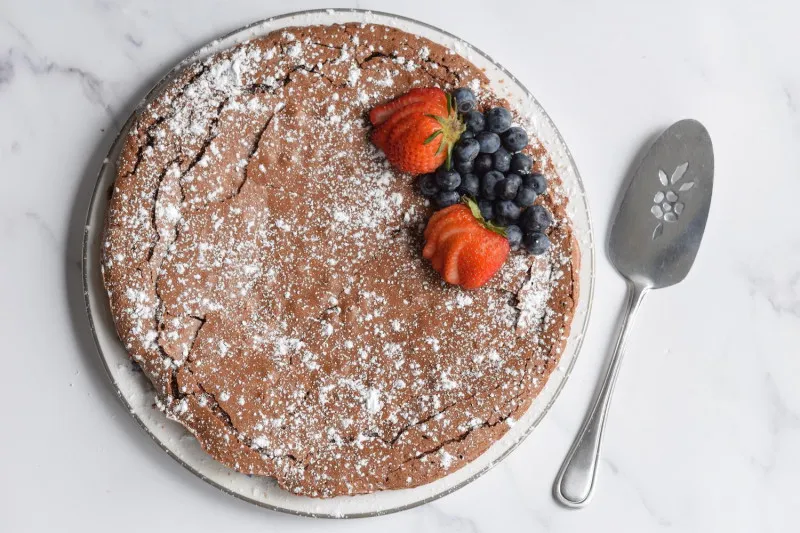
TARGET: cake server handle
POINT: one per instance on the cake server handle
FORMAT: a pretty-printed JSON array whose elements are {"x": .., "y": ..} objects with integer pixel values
[{"x": 574, "y": 484}]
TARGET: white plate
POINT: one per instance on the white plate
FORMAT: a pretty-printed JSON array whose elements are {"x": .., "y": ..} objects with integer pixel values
[{"x": 137, "y": 394}]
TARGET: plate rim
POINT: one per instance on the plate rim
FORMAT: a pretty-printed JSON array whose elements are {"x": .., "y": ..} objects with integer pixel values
[{"x": 97, "y": 193}]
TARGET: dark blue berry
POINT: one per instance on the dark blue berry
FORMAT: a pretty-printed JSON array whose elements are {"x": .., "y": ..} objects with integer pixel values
[
  {"x": 525, "y": 197},
  {"x": 535, "y": 218},
  {"x": 465, "y": 100},
  {"x": 447, "y": 198},
  {"x": 482, "y": 164},
  {"x": 498, "y": 119},
  {"x": 463, "y": 167},
  {"x": 427, "y": 185},
  {"x": 537, "y": 182},
  {"x": 488, "y": 184},
  {"x": 536, "y": 242},
  {"x": 447, "y": 180},
  {"x": 515, "y": 139},
  {"x": 521, "y": 163},
  {"x": 474, "y": 121},
  {"x": 467, "y": 134},
  {"x": 466, "y": 149},
  {"x": 489, "y": 142},
  {"x": 487, "y": 210},
  {"x": 514, "y": 236},
  {"x": 501, "y": 160},
  {"x": 508, "y": 187},
  {"x": 470, "y": 184},
  {"x": 506, "y": 212}
]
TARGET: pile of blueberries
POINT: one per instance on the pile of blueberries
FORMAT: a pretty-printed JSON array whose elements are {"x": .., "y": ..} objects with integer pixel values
[{"x": 489, "y": 167}]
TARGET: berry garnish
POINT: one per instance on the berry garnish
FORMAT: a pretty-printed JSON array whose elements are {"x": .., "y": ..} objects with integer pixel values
[
  {"x": 507, "y": 188},
  {"x": 488, "y": 183},
  {"x": 515, "y": 139},
  {"x": 463, "y": 167},
  {"x": 520, "y": 163},
  {"x": 514, "y": 236},
  {"x": 525, "y": 197},
  {"x": 482, "y": 164},
  {"x": 535, "y": 218},
  {"x": 465, "y": 100},
  {"x": 501, "y": 160},
  {"x": 474, "y": 121},
  {"x": 536, "y": 243},
  {"x": 466, "y": 149},
  {"x": 498, "y": 119},
  {"x": 417, "y": 130},
  {"x": 506, "y": 212},
  {"x": 486, "y": 208},
  {"x": 462, "y": 247},
  {"x": 470, "y": 185},
  {"x": 447, "y": 180},
  {"x": 537, "y": 182},
  {"x": 446, "y": 199},
  {"x": 381, "y": 113},
  {"x": 427, "y": 185},
  {"x": 489, "y": 142}
]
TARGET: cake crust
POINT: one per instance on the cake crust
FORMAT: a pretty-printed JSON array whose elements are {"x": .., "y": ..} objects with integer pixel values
[{"x": 263, "y": 267}]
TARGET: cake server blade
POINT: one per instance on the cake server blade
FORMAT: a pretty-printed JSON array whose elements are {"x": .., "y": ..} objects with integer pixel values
[{"x": 653, "y": 242}]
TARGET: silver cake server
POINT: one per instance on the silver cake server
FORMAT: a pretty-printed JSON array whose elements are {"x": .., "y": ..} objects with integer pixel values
[{"x": 653, "y": 242}]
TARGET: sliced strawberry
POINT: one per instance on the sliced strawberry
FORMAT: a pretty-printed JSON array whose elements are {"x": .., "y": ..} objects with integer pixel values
[
  {"x": 450, "y": 270},
  {"x": 429, "y": 107},
  {"x": 479, "y": 261},
  {"x": 381, "y": 113},
  {"x": 461, "y": 248}
]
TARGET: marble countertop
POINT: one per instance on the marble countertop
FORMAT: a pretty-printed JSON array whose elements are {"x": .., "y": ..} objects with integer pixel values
[{"x": 704, "y": 432}]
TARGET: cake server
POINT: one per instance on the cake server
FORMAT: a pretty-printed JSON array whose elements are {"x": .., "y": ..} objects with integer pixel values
[{"x": 652, "y": 242}]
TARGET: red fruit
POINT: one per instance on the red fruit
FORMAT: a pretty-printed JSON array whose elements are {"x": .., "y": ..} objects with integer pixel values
[
  {"x": 462, "y": 249},
  {"x": 417, "y": 130},
  {"x": 426, "y": 107},
  {"x": 380, "y": 113}
]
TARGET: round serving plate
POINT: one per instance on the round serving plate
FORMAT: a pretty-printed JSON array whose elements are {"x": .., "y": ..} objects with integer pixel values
[{"x": 137, "y": 394}]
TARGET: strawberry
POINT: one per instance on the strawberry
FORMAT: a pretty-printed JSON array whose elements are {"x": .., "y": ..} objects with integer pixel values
[
  {"x": 379, "y": 114},
  {"x": 462, "y": 247},
  {"x": 427, "y": 107},
  {"x": 417, "y": 130}
]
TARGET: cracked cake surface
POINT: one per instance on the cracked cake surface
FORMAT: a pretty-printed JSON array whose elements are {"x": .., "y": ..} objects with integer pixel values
[{"x": 263, "y": 267}]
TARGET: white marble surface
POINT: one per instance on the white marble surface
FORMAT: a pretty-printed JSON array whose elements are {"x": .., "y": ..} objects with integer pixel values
[{"x": 704, "y": 433}]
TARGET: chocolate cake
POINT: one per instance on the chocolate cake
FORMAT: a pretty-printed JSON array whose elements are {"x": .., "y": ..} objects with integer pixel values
[{"x": 263, "y": 266}]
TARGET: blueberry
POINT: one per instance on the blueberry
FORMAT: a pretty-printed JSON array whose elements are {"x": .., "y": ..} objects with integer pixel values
[
  {"x": 515, "y": 139},
  {"x": 506, "y": 212},
  {"x": 482, "y": 164},
  {"x": 447, "y": 198},
  {"x": 498, "y": 119},
  {"x": 525, "y": 197},
  {"x": 463, "y": 167},
  {"x": 487, "y": 210},
  {"x": 535, "y": 218},
  {"x": 508, "y": 187},
  {"x": 466, "y": 150},
  {"x": 536, "y": 242},
  {"x": 427, "y": 185},
  {"x": 521, "y": 163},
  {"x": 501, "y": 160},
  {"x": 488, "y": 184},
  {"x": 470, "y": 184},
  {"x": 468, "y": 134},
  {"x": 447, "y": 180},
  {"x": 537, "y": 182},
  {"x": 474, "y": 121},
  {"x": 514, "y": 236},
  {"x": 489, "y": 142},
  {"x": 465, "y": 100}
]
